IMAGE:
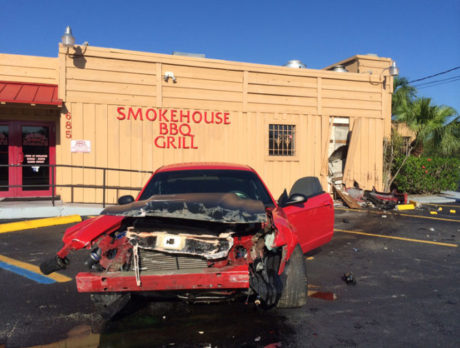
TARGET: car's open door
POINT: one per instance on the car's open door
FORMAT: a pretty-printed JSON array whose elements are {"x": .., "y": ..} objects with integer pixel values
[{"x": 313, "y": 216}]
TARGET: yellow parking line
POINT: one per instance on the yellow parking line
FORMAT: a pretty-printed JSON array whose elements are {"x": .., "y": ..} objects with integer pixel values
[
  {"x": 55, "y": 276},
  {"x": 398, "y": 238},
  {"x": 442, "y": 205},
  {"x": 399, "y": 214},
  {"x": 29, "y": 224}
]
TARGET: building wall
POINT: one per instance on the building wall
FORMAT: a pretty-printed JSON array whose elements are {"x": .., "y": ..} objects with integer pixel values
[
  {"x": 95, "y": 85},
  {"x": 17, "y": 68}
]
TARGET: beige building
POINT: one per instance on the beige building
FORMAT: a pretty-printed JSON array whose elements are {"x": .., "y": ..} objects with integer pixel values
[{"x": 110, "y": 108}]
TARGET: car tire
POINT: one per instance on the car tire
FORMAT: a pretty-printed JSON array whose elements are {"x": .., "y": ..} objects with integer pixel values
[
  {"x": 294, "y": 279},
  {"x": 109, "y": 304}
]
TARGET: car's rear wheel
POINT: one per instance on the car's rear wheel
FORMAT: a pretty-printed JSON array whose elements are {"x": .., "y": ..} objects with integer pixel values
[{"x": 294, "y": 279}]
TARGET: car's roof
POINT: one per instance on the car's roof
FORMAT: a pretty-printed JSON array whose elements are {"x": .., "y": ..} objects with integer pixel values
[{"x": 204, "y": 165}]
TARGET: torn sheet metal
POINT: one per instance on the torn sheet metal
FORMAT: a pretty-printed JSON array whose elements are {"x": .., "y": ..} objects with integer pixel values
[
  {"x": 216, "y": 207},
  {"x": 207, "y": 246}
]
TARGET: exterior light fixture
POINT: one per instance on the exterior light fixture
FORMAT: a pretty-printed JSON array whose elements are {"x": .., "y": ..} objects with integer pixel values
[
  {"x": 393, "y": 69},
  {"x": 68, "y": 40}
]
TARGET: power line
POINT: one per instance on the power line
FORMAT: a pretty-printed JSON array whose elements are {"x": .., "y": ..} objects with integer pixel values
[
  {"x": 435, "y": 81},
  {"x": 440, "y": 83},
  {"x": 430, "y": 76}
]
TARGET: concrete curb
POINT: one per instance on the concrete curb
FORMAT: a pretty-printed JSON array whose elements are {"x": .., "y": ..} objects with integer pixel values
[{"x": 30, "y": 224}]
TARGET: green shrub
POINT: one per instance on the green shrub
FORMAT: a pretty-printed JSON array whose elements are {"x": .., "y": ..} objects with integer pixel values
[{"x": 427, "y": 174}]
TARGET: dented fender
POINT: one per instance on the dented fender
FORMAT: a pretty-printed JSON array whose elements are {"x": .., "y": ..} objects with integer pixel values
[
  {"x": 81, "y": 235},
  {"x": 284, "y": 236}
]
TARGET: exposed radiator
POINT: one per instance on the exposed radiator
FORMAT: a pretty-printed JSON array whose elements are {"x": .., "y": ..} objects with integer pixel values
[{"x": 151, "y": 261}]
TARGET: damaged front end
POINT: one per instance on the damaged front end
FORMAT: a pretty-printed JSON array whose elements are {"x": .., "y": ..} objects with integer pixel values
[{"x": 189, "y": 244}]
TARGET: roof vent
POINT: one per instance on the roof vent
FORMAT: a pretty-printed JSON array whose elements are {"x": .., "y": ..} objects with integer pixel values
[
  {"x": 339, "y": 68},
  {"x": 295, "y": 63}
]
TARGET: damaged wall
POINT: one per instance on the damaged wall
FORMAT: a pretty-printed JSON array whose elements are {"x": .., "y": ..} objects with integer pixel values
[{"x": 96, "y": 85}]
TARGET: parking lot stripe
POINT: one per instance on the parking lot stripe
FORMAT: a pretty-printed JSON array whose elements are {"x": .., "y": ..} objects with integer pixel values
[
  {"x": 398, "y": 214},
  {"x": 398, "y": 238},
  {"x": 26, "y": 273},
  {"x": 28, "y": 270},
  {"x": 29, "y": 224},
  {"x": 441, "y": 205}
]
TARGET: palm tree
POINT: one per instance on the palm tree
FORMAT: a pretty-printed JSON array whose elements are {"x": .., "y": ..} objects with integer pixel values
[
  {"x": 431, "y": 126},
  {"x": 403, "y": 94}
]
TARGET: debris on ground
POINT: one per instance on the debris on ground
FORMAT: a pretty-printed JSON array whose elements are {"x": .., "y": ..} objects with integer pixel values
[
  {"x": 382, "y": 200},
  {"x": 323, "y": 295},
  {"x": 257, "y": 339},
  {"x": 348, "y": 199},
  {"x": 349, "y": 278},
  {"x": 274, "y": 345}
]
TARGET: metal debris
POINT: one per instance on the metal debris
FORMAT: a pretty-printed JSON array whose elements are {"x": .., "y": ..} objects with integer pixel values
[{"x": 349, "y": 278}]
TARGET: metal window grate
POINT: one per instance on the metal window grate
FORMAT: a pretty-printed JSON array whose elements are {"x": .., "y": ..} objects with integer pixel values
[{"x": 281, "y": 140}]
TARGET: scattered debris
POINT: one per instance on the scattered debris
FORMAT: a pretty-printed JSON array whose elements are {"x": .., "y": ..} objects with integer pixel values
[
  {"x": 355, "y": 250},
  {"x": 328, "y": 296},
  {"x": 452, "y": 211},
  {"x": 346, "y": 221},
  {"x": 432, "y": 229},
  {"x": 257, "y": 339},
  {"x": 373, "y": 198},
  {"x": 349, "y": 201},
  {"x": 349, "y": 279},
  {"x": 201, "y": 332},
  {"x": 273, "y": 345},
  {"x": 384, "y": 216},
  {"x": 385, "y": 200},
  {"x": 433, "y": 212}
]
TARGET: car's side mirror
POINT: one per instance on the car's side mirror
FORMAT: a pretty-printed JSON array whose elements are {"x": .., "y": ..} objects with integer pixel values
[
  {"x": 125, "y": 199},
  {"x": 296, "y": 198},
  {"x": 283, "y": 198}
]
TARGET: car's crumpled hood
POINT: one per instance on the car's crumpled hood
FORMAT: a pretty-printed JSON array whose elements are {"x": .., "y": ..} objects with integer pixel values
[{"x": 216, "y": 207}]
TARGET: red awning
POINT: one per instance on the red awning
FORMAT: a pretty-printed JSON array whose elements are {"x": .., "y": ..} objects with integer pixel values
[{"x": 29, "y": 93}]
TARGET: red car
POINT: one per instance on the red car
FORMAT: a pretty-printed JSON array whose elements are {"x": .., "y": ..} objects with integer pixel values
[{"x": 203, "y": 232}]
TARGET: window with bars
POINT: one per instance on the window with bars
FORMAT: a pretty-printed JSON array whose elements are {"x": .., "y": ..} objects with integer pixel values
[{"x": 281, "y": 140}]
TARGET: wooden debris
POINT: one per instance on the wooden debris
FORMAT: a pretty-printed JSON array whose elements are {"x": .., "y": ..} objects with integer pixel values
[{"x": 349, "y": 201}]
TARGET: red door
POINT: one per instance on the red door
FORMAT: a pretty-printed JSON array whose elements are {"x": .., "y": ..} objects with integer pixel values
[
  {"x": 313, "y": 221},
  {"x": 32, "y": 145}
]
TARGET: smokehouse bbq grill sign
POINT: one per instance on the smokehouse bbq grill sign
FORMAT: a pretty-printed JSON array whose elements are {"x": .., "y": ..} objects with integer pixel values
[{"x": 175, "y": 127}]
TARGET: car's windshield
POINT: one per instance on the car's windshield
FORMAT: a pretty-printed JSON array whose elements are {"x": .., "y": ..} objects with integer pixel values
[{"x": 244, "y": 184}]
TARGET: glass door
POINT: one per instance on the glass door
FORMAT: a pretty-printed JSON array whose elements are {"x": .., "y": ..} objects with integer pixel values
[
  {"x": 4, "y": 160},
  {"x": 35, "y": 155},
  {"x": 30, "y": 148}
]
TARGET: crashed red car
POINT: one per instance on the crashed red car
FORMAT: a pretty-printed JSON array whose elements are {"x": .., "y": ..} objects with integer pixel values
[{"x": 202, "y": 232}]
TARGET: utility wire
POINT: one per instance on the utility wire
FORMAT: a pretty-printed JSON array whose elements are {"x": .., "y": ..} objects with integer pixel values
[
  {"x": 440, "y": 83},
  {"x": 430, "y": 76},
  {"x": 435, "y": 81}
]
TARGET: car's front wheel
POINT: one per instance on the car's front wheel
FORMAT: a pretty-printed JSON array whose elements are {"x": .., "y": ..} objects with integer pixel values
[
  {"x": 109, "y": 304},
  {"x": 294, "y": 279}
]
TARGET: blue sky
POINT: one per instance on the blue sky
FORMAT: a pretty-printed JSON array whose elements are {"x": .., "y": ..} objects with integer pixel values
[{"x": 422, "y": 36}]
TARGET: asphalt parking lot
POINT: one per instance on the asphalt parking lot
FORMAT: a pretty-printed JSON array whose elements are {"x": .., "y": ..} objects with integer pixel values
[{"x": 406, "y": 267}]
